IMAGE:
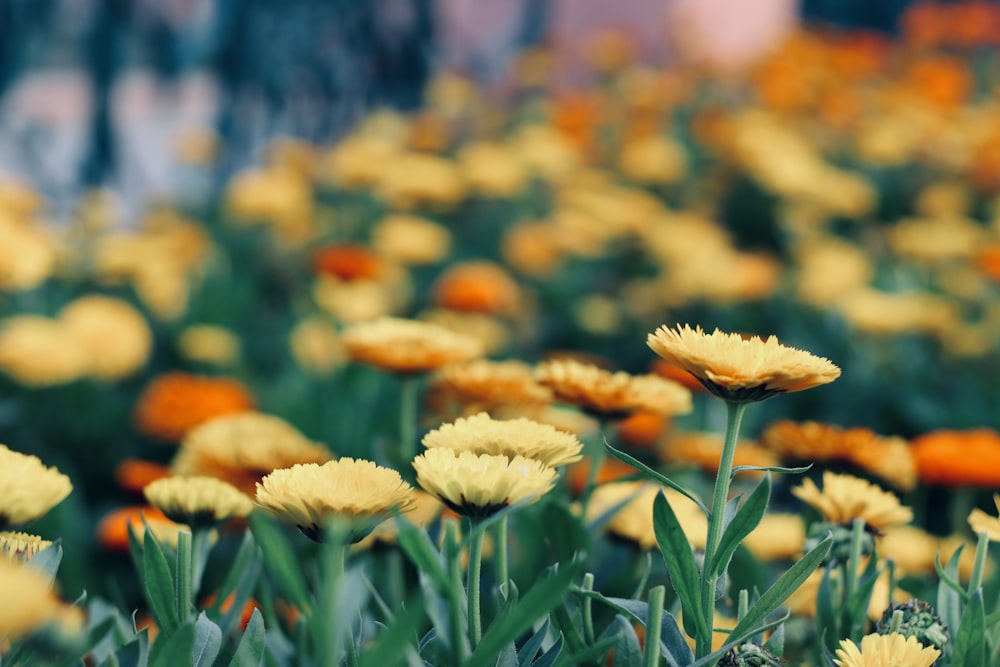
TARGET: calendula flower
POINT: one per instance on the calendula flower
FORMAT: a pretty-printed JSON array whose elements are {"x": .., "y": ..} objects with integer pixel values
[
  {"x": 407, "y": 346},
  {"x": 242, "y": 448},
  {"x": 777, "y": 537},
  {"x": 959, "y": 458},
  {"x": 411, "y": 240},
  {"x": 845, "y": 498},
  {"x": 738, "y": 369},
  {"x": 316, "y": 346},
  {"x": 481, "y": 434},
  {"x": 21, "y": 546},
  {"x": 114, "y": 527},
  {"x": 704, "y": 450},
  {"x": 40, "y": 352},
  {"x": 885, "y": 651},
  {"x": 136, "y": 474},
  {"x": 480, "y": 485},
  {"x": 424, "y": 510},
  {"x": 981, "y": 522},
  {"x": 28, "y": 600},
  {"x": 115, "y": 335},
  {"x": 28, "y": 489},
  {"x": 174, "y": 403},
  {"x": 198, "y": 501},
  {"x": 347, "y": 261},
  {"x": 356, "y": 492},
  {"x": 484, "y": 384},
  {"x": 478, "y": 287},
  {"x": 611, "y": 395},
  {"x": 209, "y": 344},
  {"x": 633, "y": 521},
  {"x": 913, "y": 549}
]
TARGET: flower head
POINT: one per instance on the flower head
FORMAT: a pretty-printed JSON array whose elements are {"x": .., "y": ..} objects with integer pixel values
[
  {"x": 478, "y": 287},
  {"x": 479, "y": 485},
  {"x": 885, "y": 651},
  {"x": 981, "y": 522},
  {"x": 738, "y": 369},
  {"x": 28, "y": 489},
  {"x": 115, "y": 335},
  {"x": 40, "y": 352},
  {"x": 407, "y": 346},
  {"x": 959, "y": 458},
  {"x": 601, "y": 392},
  {"x": 28, "y": 601},
  {"x": 356, "y": 492},
  {"x": 481, "y": 434},
  {"x": 704, "y": 451},
  {"x": 21, "y": 546},
  {"x": 633, "y": 518},
  {"x": 487, "y": 384},
  {"x": 209, "y": 344},
  {"x": 197, "y": 501},
  {"x": 845, "y": 498},
  {"x": 175, "y": 402},
  {"x": 920, "y": 620}
]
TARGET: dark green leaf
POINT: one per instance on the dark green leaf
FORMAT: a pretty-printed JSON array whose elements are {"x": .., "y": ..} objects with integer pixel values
[
  {"x": 970, "y": 640},
  {"x": 681, "y": 567},
  {"x": 159, "y": 581},
  {"x": 250, "y": 652},
  {"x": 745, "y": 520},
  {"x": 417, "y": 546},
  {"x": 627, "y": 649},
  {"x": 659, "y": 477},
  {"x": 279, "y": 559},
  {"x": 531, "y": 647},
  {"x": 207, "y": 641},
  {"x": 549, "y": 658},
  {"x": 175, "y": 648},
  {"x": 391, "y": 646}
]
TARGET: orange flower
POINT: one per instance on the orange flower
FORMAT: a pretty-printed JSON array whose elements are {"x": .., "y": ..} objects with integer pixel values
[
  {"x": 988, "y": 261},
  {"x": 956, "y": 458},
  {"x": 704, "y": 450},
  {"x": 174, "y": 403},
  {"x": 134, "y": 474},
  {"x": 610, "y": 471},
  {"x": 642, "y": 429},
  {"x": 480, "y": 287},
  {"x": 112, "y": 530},
  {"x": 227, "y": 604},
  {"x": 941, "y": 80},
  {"x": 667, "y": 370},
  {"x": 347, "y": 262}
]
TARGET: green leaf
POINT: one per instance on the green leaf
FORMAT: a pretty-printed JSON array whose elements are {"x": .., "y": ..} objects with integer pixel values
[
  {"x": 970, "y": 640},
  {"x": 159, "y": 582},
  {"x": 746, "y": 519},
  {"x": 279, "y": 559},
  {"x": 531, "y": 647},
  {"x": 47, "y": 560},
  {"x": 681, "y": 567},
  {"x": 391, "y": 646},
  {"x": 950, "y": 596},
  {"x": 549, "y": 658},
  {"x": 627, "y": 649},
  {"x": 779, "y": 469},
  {"x": 779, "y": 591},
  {"x": 175, "y": 648},
  {"x": 659, "y": 477},
  {"x": 207, "y": 641},
  {"x": 826, "y": 613},
  {"x": 537, "y": 602},
  {"x": 250, "y": 652},
  {"x": 856, "y": 609},
  {"x": 417, "y": 546}
]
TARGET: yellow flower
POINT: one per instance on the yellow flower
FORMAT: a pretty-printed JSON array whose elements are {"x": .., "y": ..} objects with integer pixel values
[
  {"x": 242, "y": 448},
  {"x": 28, "y": 254},
  {"x": 602, "y": 393},
  {"x": 487, "y": 384},
  {"x": 28, "y": 603},
  {"x": 891, "y": 313},
  {"x": 886, "y": 651},
  {"x": 40, "y": 352},
  {"x": 633, "y": 520},
  {"x": 409, "y": 180},
  {"x": 481, "y": 434},
  {"x": 209, "y": 344},
  {"x": 411, "y": 240},
  {"x": 490, "y": 332},
  {"x": 115, "y": 335},
  {"x": 356, "y": 492},
  {"x": 316, "y": 346},
  {"x": 704, "y": 451},
  {"x": 197, "y": 501},
  {"x": 777, "y": 537},
  {"x": 912, "y": 549},
  {"x": 653, "y": 160},
  {"x": 738, "y": 369},
  {"x": 492, "y": 170},
  {"x": 479, "y": 485},
  {"x": 424, "y": 510},
  {"x": 28, "y": 489},
  {"x": 21, "y": 546},
  {"x": 981, "y": 522},
  {"x": 408, "y": 346},
  {"x": 845, "y": 498}
]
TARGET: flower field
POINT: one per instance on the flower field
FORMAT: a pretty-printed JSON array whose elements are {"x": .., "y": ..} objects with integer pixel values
[{"x": 672, "y": 367}]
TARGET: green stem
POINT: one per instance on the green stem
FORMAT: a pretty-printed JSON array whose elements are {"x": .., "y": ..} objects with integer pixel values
[
  {"x": 709, "y": 577},
  {"x": 597, "y": 457},
  {"x": 743, "y": 604},
  {"x": 588, "y": 609},
  {"x": 409, "y": 402},
  {"x": 456, "y": 612},
  {"x": 475, "y": 586},
  {"x": 651, "y": 653},
  {"x": 850, "y": 571},
  {"x": 982, "y": 548},
  {"x": 201, "y": 546},
  {"x": 500, "y": 553},
  {"x": 185, "y": 577},
  {"x": 962, "y": 501}
]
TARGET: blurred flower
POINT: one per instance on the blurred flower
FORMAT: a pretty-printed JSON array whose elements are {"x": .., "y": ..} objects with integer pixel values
[
  {"x": 738, "y": 369},
  {"x": 958, "y": 458},
  {"x": 354, "y": 491},
  {"x": 196, "y": 146},
  {"x": 354, "y": 301},
  {"x": 881, "y": 650},
  {"x": 546, "y": 151},
  {"x": 174, "y": 403},
  {"x": 242, "y": 448},
  {"x": 347, "y": 261},
  {"x": 358, "y": 161},
  {"x": 295, "y": 155},
  {"x": 113, "y": 528},
  {"x": 777, "y": 537},
  {"x": 199, "y": 502},
  {"x": 481, "y": 434},
  {"x": 704, "y": 450},
  {"x": 634, "y": 520},
  {"x": 944, "y": 200},
  {"x": 492, "y": 170},
  {"x": 19, "y": 199},
  {"x": 611, "y": 395},
  {"x": 981, "y": 522},
  {"x": 280, "y": 198},
  {"x": 884, "y": 313},
  {"x": 424, "y": 510},
  {"x": 642, "y": 429},
  {"x": 935, "y": 240},
  {"x": 28, "y": 253},
  {"x": 39, "y": 352},
  {"x": 115, "y": 335},
  {"x": 889, "y": 458},
  {"x": 411, "y": 240},
  {"x": 30, "y": 605},
  {"x": 491, "y": 333},
  {"x": 135, "y": 474},
  {"x": 653, "y": 160},
  {"x": 668, "y": 371},
  {"x": 486, "y": 384},
  {"x": 912, "y": 549},
  {"x": 407, "y": 346},
  {"x": 316, "y": 346},
  {"x": 21, "y": 546},
  {"x": 412, "y": 180},
  {"x": 479, "y": 287},
  {"x": 845, "y": 498},
  {"x": 610, "y": 470},
  {"x": 479, "y": 485},
  {"x": 534, "y": 248},
  {"x": 828, "y": 268},
  {"x": 610, "y": 50},
  {"x": 209, "y": 344},
  {"x": 598, "y": 314},
  {"x": 28, "y": 489}
]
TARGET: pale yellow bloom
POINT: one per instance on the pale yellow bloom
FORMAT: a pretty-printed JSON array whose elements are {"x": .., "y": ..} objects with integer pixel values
[
  {"x": 354, "y": 301},
  {"x": 28, "y": 254},
  {"x": 479, "y": 485},
  {"x": 777, "y": 537},
  {"x": 481, "y": 434},
  {"x": 208, "y": 344},
  {"x": 634, "y": 518},
  {"x": 28, "y": 489},
  {"x": 197, "y": 501},
  {"x": 410, "y": 180},
  {"x": 28, "y": 601},
  {"x": 424, "y": 510},
  {"x": 486, "y": 384},
  {"x": 115, "y": 335},
  {"x": 912, "y": 549},
  {"x": 411, "y": 240},
  {"x": 39, "y": 352},
  {"x": 316, "y": 346},
  {"x": 935, "y": 240},
  {"x": 355, "y": 491},
  {"x": 981, "y": 522},
  {"x": 892, "y": 650},
  {"x": 655, "y": 160},
  {"x": 21, "y": 546},
  {"x": 890, "y": 313},
  {"x": 845, "y": 498},
  {"x": 489, "y": 331},
  {"x": 741, "y": 369},
  {"x": 408, "y": 346},
  {"x": 492, "y": 169}
]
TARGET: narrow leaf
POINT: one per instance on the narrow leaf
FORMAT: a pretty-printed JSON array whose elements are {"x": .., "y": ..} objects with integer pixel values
[
  {"x": 207, "y": 641},
  {"x": 970, "y": 640},
  {"x": 250, "y": 652},
  {"x": 627, "y": 651},
  {"x": 659, "y": 477},
  {"x": 175, "y": 648},
  {"x": 531, "y": 647},
  {"x": 681, "y": 567},
  {"x": 778, "y": 469},
  {"x": 159, "y": 581},
  {"x": 417, "y": 546},
  {"x": 743, "y": 523},
  {"x": 279, "y": 559}
]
